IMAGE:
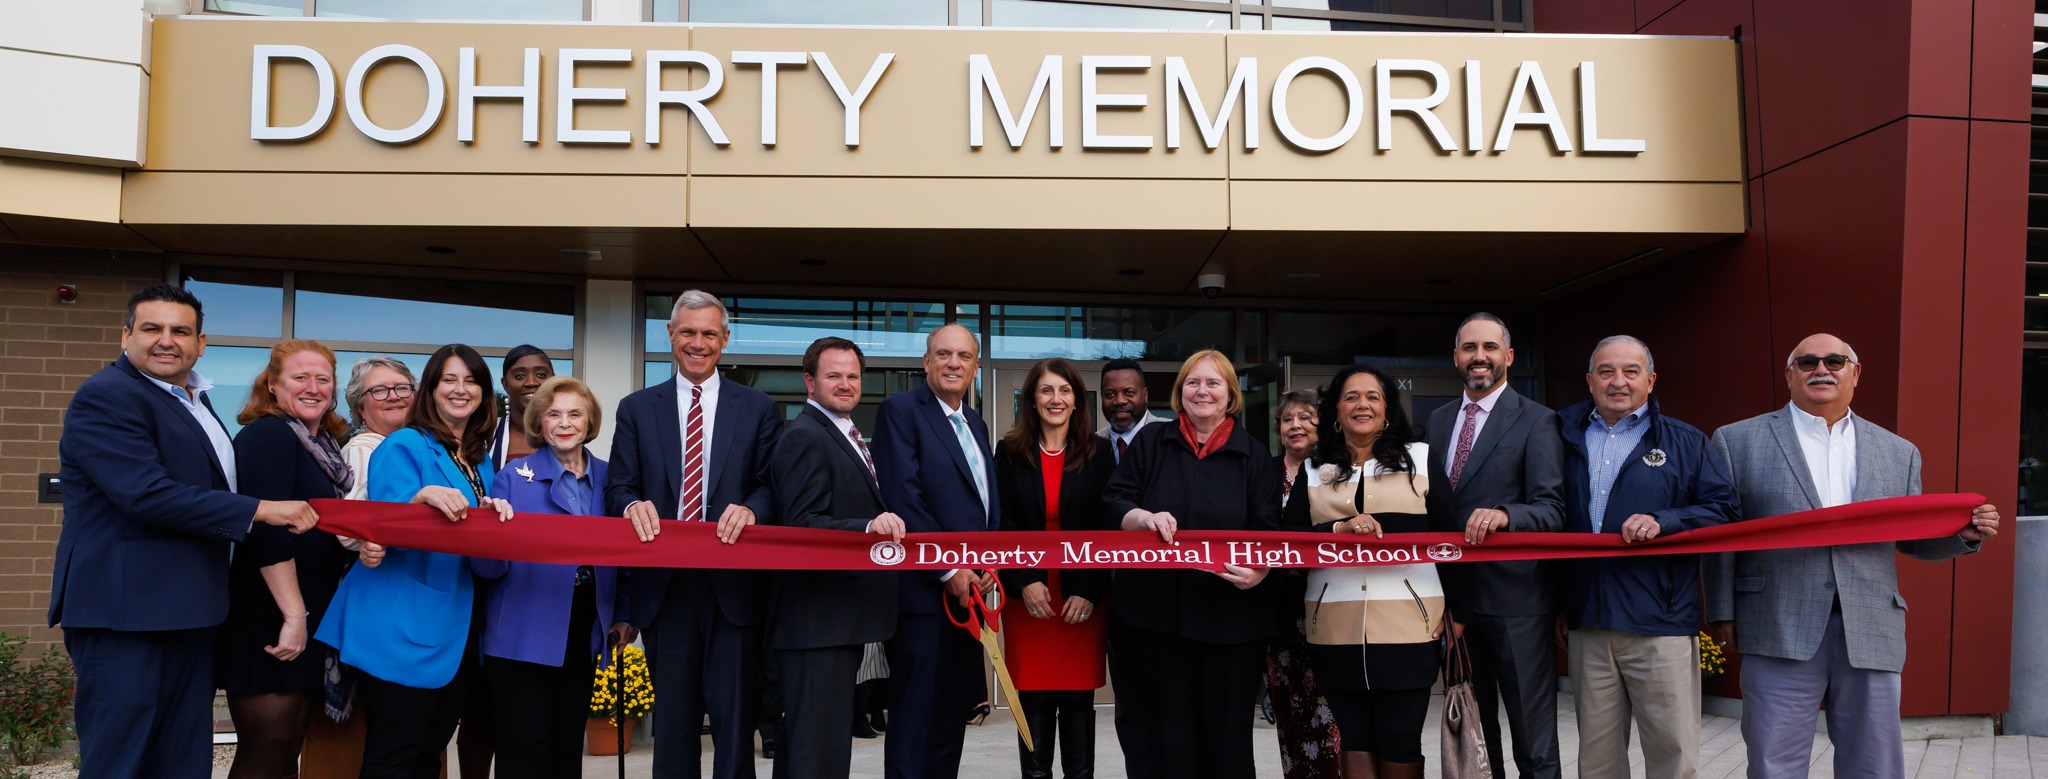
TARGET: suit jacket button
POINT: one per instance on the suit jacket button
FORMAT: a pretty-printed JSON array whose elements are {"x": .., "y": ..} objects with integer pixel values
[{"x": 1828, "y": 586}]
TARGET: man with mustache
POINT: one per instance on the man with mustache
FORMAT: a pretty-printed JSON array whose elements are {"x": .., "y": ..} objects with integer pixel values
[
  {"x": 1125, "y": 404},
  {"x": 1495, "y": 466},
  {"x": 1821, "y": 623},
  {"x": 150, "y": 513},
  {"x": 1633, "y": 472}
]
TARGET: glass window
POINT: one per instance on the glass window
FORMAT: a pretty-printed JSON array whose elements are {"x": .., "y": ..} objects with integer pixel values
[
  {"x": 434, "y": 311},
  {"x": 1090, "y": 333},
  {"x": 767, "y": 326},
  {"x": 232, "y": 369},
  {"x": 1446, "y": 9},
  {"x": 1384, "y": 339},
  {"x": 970, "y": 12},
  {"x": 1341, "y": 25},
  {"x": 1051, "y": 13},
  {"x": 2033, "y": 496},
  {"x": 258, "y": 7},
  {"x": 479, "y": 10},
  {"x": 668, "y": 11},
  {"x": 239, "y": 301},
  {"x": 891, "y": 12}
]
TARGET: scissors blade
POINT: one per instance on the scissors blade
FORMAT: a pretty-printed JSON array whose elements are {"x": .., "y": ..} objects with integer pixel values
[{"x": 995, "y": 658}]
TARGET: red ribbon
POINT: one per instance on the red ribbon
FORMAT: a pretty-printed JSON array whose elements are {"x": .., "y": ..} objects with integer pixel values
[{"x": 554, "y": 538}]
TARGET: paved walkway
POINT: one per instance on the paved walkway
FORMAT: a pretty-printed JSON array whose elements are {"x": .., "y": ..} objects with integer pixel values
[{"x": 992, "y": 752}]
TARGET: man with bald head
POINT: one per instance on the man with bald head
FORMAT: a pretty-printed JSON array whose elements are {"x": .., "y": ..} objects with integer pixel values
[
  {"x": 936, "y": 469},
  {"x": 1821, "y": 624}
]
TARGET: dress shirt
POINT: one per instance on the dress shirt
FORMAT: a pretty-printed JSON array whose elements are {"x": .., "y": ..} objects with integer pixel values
[
  {"x": 1478, "y": 422},
  {"x": 1128, "y": 436},
  {"x": 1830, "y": 454},
  {"x": 190, "y": 396},
  {"x": 575, "y": 490},
  {"x": 1607, "y": 451},
  {"x": 845, "y": 425},
  {"x": 956, "y": 416},
  {"x": 683, "y": 393}
]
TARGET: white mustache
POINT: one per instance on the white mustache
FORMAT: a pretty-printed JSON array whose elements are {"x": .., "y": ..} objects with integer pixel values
[{"x": 1821, "y": 380}]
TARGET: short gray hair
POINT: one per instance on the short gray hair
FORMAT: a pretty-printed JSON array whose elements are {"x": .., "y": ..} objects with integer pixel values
[
  {"x": 934, "y": 336},
  {"x": 1794, "y": 354},
  {"x": 695, "y": 299},
  {"x": 1506, "y": 341},
  {"x": 360, "y": 374},
  {"x": 1649, "y": 361}
]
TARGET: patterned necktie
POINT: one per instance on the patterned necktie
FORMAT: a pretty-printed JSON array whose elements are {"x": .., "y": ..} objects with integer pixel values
[
  {"x": 693, "y": 458},
  {"x": 1464, "y": 443},
  {"x": 1121, "y": 445},
  {"x": 853, "y": 432},
  {"x": 974, "y": 458}
]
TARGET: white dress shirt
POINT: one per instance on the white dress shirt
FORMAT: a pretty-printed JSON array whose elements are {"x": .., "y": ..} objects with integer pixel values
[
  {"x": 683, "y": 393},
  {"x": 1128, "y": 436},
  {"x": 1830, "y": 454},
  {"x": 223, "y": 446},
  {"x": 845, "y": 425},
  {"x": 1478, "y": 422}
]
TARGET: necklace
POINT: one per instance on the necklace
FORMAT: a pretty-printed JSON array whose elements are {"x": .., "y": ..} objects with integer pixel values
[{"x": 1052, "y": 452}]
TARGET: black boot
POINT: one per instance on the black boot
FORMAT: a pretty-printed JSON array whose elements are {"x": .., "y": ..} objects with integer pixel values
[
  {"x": 863, "y": 694},
  {"x": 1077, "y": 736},
  {"x": 1037, "y": 761},
  {"x": 876, "y": 711}
]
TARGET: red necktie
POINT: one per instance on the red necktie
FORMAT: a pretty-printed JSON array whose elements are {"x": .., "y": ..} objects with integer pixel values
[
  {"x": 862, "y": 444},
  {"x": 1464, "y": 443},
  {"x": 693, "y": 458},
  {"x": 1121, "y": 445}
]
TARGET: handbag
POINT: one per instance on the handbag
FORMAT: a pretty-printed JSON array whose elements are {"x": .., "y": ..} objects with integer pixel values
[{"x": 1464, "y": 741}]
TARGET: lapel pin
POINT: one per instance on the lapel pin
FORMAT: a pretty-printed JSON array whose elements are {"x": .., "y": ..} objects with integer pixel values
[
  {"x": 1654, "y": 459},
  {"x": 528, "y": 472}
]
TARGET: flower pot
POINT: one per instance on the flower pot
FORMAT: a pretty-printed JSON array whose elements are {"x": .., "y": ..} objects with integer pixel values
[{"x": 603, "y": 737}]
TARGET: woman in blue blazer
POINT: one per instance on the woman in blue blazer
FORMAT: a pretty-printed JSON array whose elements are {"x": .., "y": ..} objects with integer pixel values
[
  {"x": 545, "y": 623},
  {"x": 403, "y": 617}
]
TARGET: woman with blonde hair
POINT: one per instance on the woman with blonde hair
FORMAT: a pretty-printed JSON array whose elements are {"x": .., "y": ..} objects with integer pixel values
[{"x": 1189, "y": 645}]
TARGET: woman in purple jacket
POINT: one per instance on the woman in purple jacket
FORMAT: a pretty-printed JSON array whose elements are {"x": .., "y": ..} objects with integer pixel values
[{"x": 544, "y": 624}]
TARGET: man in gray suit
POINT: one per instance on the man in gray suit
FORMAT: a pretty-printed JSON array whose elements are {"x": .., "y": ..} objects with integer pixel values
[
  {"x": 1496, "y": 465},
  {"x": 1820, "y": 622}
]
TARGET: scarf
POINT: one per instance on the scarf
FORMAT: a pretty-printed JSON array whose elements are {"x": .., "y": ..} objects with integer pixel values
[
  {"x": 1216, "y": 439},
  {"x": 325, "y": 454}
]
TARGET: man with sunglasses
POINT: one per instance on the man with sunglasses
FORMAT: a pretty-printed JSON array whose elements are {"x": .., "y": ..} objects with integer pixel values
[{"x": 1820, "y": 623}]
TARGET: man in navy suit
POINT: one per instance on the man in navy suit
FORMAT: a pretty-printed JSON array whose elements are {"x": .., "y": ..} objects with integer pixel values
[
  {"x": 141, "y": 576},
  {"x": 934, "y": 461},
  {"x": 696, "y": 449}
]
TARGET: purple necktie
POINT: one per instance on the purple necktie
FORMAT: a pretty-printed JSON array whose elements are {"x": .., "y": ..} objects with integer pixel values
[{"x": 1464, "y": 443}]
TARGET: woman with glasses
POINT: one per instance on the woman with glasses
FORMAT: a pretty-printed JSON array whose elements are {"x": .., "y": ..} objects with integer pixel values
[
  {"x": 404, "y": 618},
  {"x": 1372, "y": 630},
  {"x": 279, "y": 584},
  {"x": 1301, "y": 718},
  {"x": 379, "y": 397}
]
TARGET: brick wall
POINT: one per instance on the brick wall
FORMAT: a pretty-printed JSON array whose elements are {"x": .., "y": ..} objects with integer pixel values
[{"x": 47, "y": 349}]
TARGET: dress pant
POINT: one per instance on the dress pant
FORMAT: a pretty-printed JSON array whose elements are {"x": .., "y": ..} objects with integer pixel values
[
  {"x": 145, "y": 701},
  {"x": 409, "y": 727},
  {"x": 1186, "y": 705},
  {"x": 1781, "y": 698},
  {"x": 540, "y": 709},
  {"x": 1514, "y": 662},
  {"x": 1655, "y": 680},
  {"x": 702, "y": 663},
  {"x": 935, "y": 681},
  {"x": 817, "y": 688}
]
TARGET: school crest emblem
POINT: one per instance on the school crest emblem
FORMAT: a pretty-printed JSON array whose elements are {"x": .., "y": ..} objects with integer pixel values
[{"x": 1655, "y": 458}]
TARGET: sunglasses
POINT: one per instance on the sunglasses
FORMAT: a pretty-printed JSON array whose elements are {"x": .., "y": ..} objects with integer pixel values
[{"x": 1808, "y": 362}]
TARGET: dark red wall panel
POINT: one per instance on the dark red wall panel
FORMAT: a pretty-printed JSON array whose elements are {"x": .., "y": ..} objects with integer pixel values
[
  {"x": 2001, "y": 60},
  {"x": 1615, "y": 17},
  {"x": 1937, "y": 84},
  {"x": 1828, "y": 72}
]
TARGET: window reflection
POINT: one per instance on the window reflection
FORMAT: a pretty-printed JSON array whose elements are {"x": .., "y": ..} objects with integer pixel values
[
  {"x": 258, "y": 7},
  {"x": 437, "y": 311},
  {"x": 232, "y": 369},
  {"x": 1344, "y": 25},
  {"x": 239, "y": 301},
  {"x": 480, "y": 10},
  {"x": 769, "y": 326},
  {"x": 1448, "y": 9},
  {"x": 1105, "y": 333},
  {"x": 1051, "y": 13},
  {"x": 886, "y": 12}
]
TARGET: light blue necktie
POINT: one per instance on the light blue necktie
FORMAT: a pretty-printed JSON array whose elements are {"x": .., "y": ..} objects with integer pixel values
[{"x": 974, "y": 458}]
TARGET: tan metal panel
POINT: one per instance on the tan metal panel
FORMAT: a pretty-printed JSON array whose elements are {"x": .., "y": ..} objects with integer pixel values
[
  {"x": 1049, "y": 204},
  {"x": 1488, "y": 206},
  {"x": 60, "y": 190},
  {"x": 426, "y": 199}
]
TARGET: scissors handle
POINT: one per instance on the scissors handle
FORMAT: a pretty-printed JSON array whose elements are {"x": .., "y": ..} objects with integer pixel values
[
  {"x": 992, "y": 601},
  {"x": 971, "y": 622}
]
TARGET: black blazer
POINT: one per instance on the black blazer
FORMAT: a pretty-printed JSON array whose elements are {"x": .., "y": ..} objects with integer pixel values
[
  {"x": 1516, "y": 465},
  {"x": 820, "y": 481},
  {"x": 1235, "y": 488},
  {"x": 1022, "y": 487},
  {"x": 647, "y": 464}
]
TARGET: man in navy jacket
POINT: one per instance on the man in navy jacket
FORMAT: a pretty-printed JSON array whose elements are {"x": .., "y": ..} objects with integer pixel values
[
  {"x": 937, "y": 471},
  {"x": 141, "y": 576},
  {"x": 1634, "y": 619}
]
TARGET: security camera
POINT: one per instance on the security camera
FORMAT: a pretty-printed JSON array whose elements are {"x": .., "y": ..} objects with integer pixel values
[{"x": 1211, "y": 284}]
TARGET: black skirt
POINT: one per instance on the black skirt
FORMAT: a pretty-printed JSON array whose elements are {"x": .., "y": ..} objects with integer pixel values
[{"x": 1354, "y": 668}]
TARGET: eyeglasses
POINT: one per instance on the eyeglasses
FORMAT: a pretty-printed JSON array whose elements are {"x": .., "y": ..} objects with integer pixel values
[
  {"x": 399, "y": 391},
  {"x": 1807, "y": 362}
]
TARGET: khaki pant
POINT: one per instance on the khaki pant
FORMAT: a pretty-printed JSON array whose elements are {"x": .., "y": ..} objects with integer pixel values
[{"x": 1655, "y": 680}]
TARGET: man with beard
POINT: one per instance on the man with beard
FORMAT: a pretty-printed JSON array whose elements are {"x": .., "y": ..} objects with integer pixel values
[
  {"x": 823, "y": 476},
  {"x": 1125, "y": 407},
  {"x": 1496, "y": 465},
  {"x": 1821, "y": 623}
]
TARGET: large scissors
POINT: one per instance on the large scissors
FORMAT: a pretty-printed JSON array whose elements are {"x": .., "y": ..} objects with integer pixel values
[{"x": 984, "y": 620}]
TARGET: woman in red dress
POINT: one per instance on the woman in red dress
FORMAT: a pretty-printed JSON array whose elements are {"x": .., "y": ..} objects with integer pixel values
[{"x": 1050, "y": 474}]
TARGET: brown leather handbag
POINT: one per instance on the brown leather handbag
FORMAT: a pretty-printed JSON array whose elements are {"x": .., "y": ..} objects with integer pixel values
[{"x": 1464, "y": 742}]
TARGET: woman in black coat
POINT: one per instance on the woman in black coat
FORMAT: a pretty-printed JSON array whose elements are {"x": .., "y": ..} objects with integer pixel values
[
  {"x": 1050, "y": 472},
  {"x": 279, "y": 584},
  {"x": 1188, "y": 646}
]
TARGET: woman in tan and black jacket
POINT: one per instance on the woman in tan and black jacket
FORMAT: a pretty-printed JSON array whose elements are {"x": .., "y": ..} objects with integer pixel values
[{"x": 1372, "y": 630}]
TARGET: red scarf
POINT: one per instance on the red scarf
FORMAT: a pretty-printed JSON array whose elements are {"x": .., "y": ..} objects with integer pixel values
[{"x": 1216, "y": 439}]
